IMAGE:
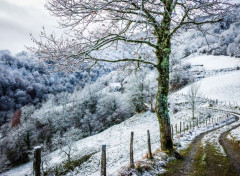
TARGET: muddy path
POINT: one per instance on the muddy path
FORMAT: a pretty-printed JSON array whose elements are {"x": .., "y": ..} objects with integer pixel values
[
  {"x": 207, "y": 160},
  {"x": 231, "y": 148}
]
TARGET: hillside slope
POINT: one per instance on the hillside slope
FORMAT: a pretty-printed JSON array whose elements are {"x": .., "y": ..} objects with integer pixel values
[{"x": 223, "y": 87}]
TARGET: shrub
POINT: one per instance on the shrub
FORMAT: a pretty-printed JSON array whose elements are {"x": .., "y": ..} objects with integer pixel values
[
  {"x": 16, "y": 117},
  {"x": 178, "y": 80}
]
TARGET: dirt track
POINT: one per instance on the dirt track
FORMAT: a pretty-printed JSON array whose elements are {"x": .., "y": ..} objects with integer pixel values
[
  {"x": 208, "y": 160},
  {"x": 232, "y": 149}
]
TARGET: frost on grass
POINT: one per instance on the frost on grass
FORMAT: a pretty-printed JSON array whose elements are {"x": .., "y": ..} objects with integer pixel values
[
  {"x": 213, "y": 137},
  {"x": 222, "y": 87},
  {"x": 208, "y": 62},
  {"x": 234, "y": 135}
]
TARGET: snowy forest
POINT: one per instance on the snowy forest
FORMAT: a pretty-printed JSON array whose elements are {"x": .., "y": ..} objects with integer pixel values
[{"x": 70, "y": 112}]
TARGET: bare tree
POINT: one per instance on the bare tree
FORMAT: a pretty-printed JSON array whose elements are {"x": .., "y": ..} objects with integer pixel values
[
  {"x": 95, "y": 27},
  {"x": 66, "y": 145},
  {"x": 192, "y": 96}
]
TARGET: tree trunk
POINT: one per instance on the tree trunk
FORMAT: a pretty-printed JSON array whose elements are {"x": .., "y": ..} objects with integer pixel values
[
  {"x": 193, "y": 111},
  {"x": 163, "y": 54},
  {"x": 162, "y": 106},
  {"x": 163, "y": 118}
]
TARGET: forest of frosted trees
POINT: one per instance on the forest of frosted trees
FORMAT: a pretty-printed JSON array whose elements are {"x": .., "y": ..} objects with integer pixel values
[{"x": 24, "y": 80}]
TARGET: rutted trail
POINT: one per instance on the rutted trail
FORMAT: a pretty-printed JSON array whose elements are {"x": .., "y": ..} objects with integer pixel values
[
  {"x": 231, "y": 149},
  {"x": 207, "y": 157}
]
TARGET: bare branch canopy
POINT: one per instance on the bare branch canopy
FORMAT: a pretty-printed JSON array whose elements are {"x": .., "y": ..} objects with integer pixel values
[
  {"x": 94, "y": 25},
  {"x": 130, "y": 31}
]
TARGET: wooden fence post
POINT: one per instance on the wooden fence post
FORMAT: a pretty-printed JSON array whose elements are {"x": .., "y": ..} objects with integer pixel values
[
  {"x": 183, "y": 127},
  {"x": 131, "y": 151},
  {"x": 180, "y": 127},
  {"x": 104, "y": 161},
  {"x": 176, "y": 129},
  {"x": 37, "y": 161},
  {"x": 149, "y": 146}
]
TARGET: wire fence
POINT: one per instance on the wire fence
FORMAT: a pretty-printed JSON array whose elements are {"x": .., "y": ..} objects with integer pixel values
[
  {"x": 206, "y": 74},
  {"x": 177, "y": 131},
  {"x": 181, "y": 127}
]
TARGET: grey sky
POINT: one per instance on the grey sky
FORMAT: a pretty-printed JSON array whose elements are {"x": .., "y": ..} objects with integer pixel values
[{"x": 19, "y": 18}]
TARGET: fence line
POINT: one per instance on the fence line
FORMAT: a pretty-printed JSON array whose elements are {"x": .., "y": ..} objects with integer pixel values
[
  {"x": 180, "y": 128},
  {"x": 149, "y": 155}
]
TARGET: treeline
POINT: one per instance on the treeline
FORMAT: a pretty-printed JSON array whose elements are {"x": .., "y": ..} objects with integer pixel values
[
  {"x": 24, "y": 80},
  {"x": 70, "y": 116},
  {"x": 217, "y": 39},
  {"x": 67, "y": 117}
]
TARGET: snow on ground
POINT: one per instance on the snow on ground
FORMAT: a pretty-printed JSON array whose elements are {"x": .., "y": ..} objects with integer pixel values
[
  {"x": 223, "y": 87},
  {"x": 116, "y": 138},
  {"x": 210, "y": 62},
  {"x": 235, "y": 135},
  {"x": 184, "y": 140},
  {"x": 25, "y": 169},
  {"x": 213, "y": 137}
]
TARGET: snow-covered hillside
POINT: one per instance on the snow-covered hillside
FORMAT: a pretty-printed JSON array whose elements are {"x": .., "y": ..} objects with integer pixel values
[
  {"x": 117, "y": 139},
  {"x": 209, "y": 62},
  {"x": 224, "y": 87},
  {"x": 25, "y": 80}
]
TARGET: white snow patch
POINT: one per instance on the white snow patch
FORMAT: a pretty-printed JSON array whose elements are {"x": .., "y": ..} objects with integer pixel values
[
  {"x": 213, "y": 137},
  {"x": 210, "y": 62},
  {"x": 223, "y": 87},
  {"x": 117, "y": 139},
  {"x": 25, "y": 169},
  {"x": 235, "y": 135}
]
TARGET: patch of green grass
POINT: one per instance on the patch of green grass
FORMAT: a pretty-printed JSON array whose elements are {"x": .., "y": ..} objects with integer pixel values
[
  {"x": 173, "y": 165},
  {"x": 210, "y": 161},
  {"x": 199, "y": 165}
]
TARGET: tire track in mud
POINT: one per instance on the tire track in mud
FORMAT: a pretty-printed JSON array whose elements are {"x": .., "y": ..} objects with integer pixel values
[
  {"x": 231, "y": 149},
  {"x": 185, "y": 167}
]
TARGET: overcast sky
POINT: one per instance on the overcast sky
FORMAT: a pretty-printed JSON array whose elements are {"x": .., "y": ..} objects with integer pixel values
[{"x": 19, "y": 18}]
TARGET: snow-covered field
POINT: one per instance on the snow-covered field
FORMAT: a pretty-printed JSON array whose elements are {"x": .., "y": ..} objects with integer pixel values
[
  {"x": 222, "y": 87},
  {"x": 117, "y": 140},
  {"x": 209, "y": 62},
  {"x": 184, "y": 140}
]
